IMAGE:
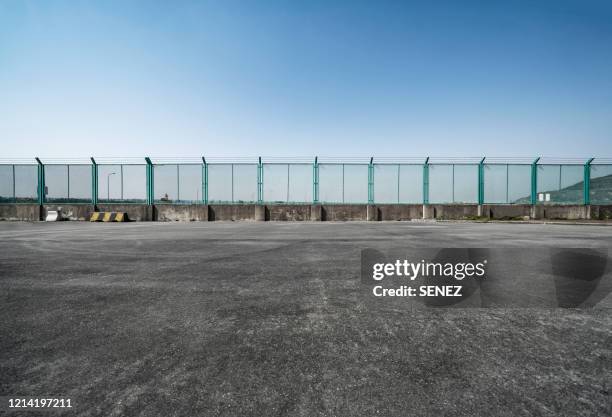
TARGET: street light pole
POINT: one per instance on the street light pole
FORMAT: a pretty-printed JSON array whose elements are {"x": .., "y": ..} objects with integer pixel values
[{"x": 108, "y": 185}]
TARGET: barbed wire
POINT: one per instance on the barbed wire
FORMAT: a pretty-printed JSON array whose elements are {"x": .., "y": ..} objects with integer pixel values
[{"x": 376, "y": 160}]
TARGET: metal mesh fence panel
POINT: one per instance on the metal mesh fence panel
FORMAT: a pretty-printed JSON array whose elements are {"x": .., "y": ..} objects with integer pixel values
[
  {"x": 300, "y": 183},
  {"x": 232, "y": 183},
  {"x": 330, "y": 183},
  {"x": 507, "y": 184},
  {"x": 245, "y": 183},
  {"x": 177, "y": 183},
  {"x": 7, "y": 182},
  {"x": 560, "y": 184},
  {"x": 165, "y": 183},
  {"x": 276, "y": 183},
  {"x": 601, "y": 184},
  {"x": 133, "y": 183},
  {"x": 109, "y": 183},
  {"x": 410, "y": 184},
  {"x": 448, "y": 182},
  {"x": 190, "y": 183},
  {"x": 519, "y": 184},
  {"x": 495, "y": 184},
  {"x": 68, "y": 183},
  {"x": 26, "y": 183},
  {"x": 441, "y": 183},
  {"x": 79, "y": 183},
  {"x": 122, "y": 183},
  {"x": 355, "y": 181},
  {"x": 56, "y": 183},
  {"x": 465, "y": 184},
  {"x": 386, "y": 183},
  {"x": 220, "y": 183},
  {"x": 572, "y": 184}
]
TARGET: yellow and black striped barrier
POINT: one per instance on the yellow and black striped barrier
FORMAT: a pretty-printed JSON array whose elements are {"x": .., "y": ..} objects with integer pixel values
[{"x": 108, "y": 216}]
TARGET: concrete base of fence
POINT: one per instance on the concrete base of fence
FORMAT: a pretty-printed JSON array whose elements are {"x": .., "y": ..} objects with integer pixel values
[
  {"x": 260, "y": 213},
  {"x": 455, "y": 212},
  {"x": 372, "y": 213},
  {"x": 231, "y": 212},
  {"x": 23, "y": 212},
  {"x": 135, "y": 212},
  {"x": 69, "y": 211},
  {"x": 399, "y": 211},
  {"x": 344, "y": 212},
  {"x": 566, "y": 212},
  {"x": 315, "y": 212},
  {"x": 601, "y": 212},
  {"x": 289, "y": 212},
  {"x": 185, "y": 213},
  {"x": 451, "y": 211},
  {"x": 506, "y": 212}
]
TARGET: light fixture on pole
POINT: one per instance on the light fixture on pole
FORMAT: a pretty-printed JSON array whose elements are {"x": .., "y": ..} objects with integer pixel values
[{"x": 108, "y": 185}]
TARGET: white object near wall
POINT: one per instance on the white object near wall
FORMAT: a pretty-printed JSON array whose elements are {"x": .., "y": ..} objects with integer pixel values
[{"x": 53, "y": 216}]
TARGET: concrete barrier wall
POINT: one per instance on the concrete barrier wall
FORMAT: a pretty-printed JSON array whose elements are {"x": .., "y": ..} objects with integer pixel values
[
  {"x": 601, "y": 212},
  {"x": 316, "y": 213},
  {"x": 293, "y": 212},
  {"x": 399, "y": 211},
  {"x": 506, "y": 211},
  {"x": 453, "y": 212},
  {"x": 305, "y": 212},
  {"x": 69, "y": 211},
  {"x": 23, "y": 212},
  {"x": 344, "y": 212},
  {"x": 560, "y": 212},
  {"x": 231, "y": 212},
  {"x": 185, "y": 213},
  {"x": 135, "y": 212}
]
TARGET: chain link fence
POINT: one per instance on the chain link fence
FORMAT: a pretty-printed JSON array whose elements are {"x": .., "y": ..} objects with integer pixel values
[
  {"x": 18, "y": 183},
  {"x": 429, "y": 182}
]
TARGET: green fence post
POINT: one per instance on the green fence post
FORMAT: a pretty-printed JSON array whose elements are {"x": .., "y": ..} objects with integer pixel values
[
  {"x": 371, "y": 181},
  {"x": 14, "y": 189},
  {"x": 507, "y": 183},
  {"x": 587, "y": 182},
  {"x": 204, "y": 181},
  {"x": 481, "y": 181},
  {"x": 315, "y": 181},
  {"x": 398, "y": 183},
  {"x": 178, "y": 183},
  {"x": 150, "y": 196},
  {"x": 94, "y": 181},
  {"x": 68, "y": 181},
  {"x": 288, "y": 182},
  {"x": 534, "y": 180},
  {"x": 259, "y": 182},
  {"x": 343, "y": 184},
  {"x": 426, "y": 181},
  {"x": 41, "y": 182}
]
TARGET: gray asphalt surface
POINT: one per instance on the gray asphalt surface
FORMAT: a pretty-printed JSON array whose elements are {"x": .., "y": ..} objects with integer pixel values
[{"x": 233, "y": 319}]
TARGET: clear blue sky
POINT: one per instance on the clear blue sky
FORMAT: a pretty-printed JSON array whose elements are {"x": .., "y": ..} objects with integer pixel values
[{"x": 290, "y": 78}]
